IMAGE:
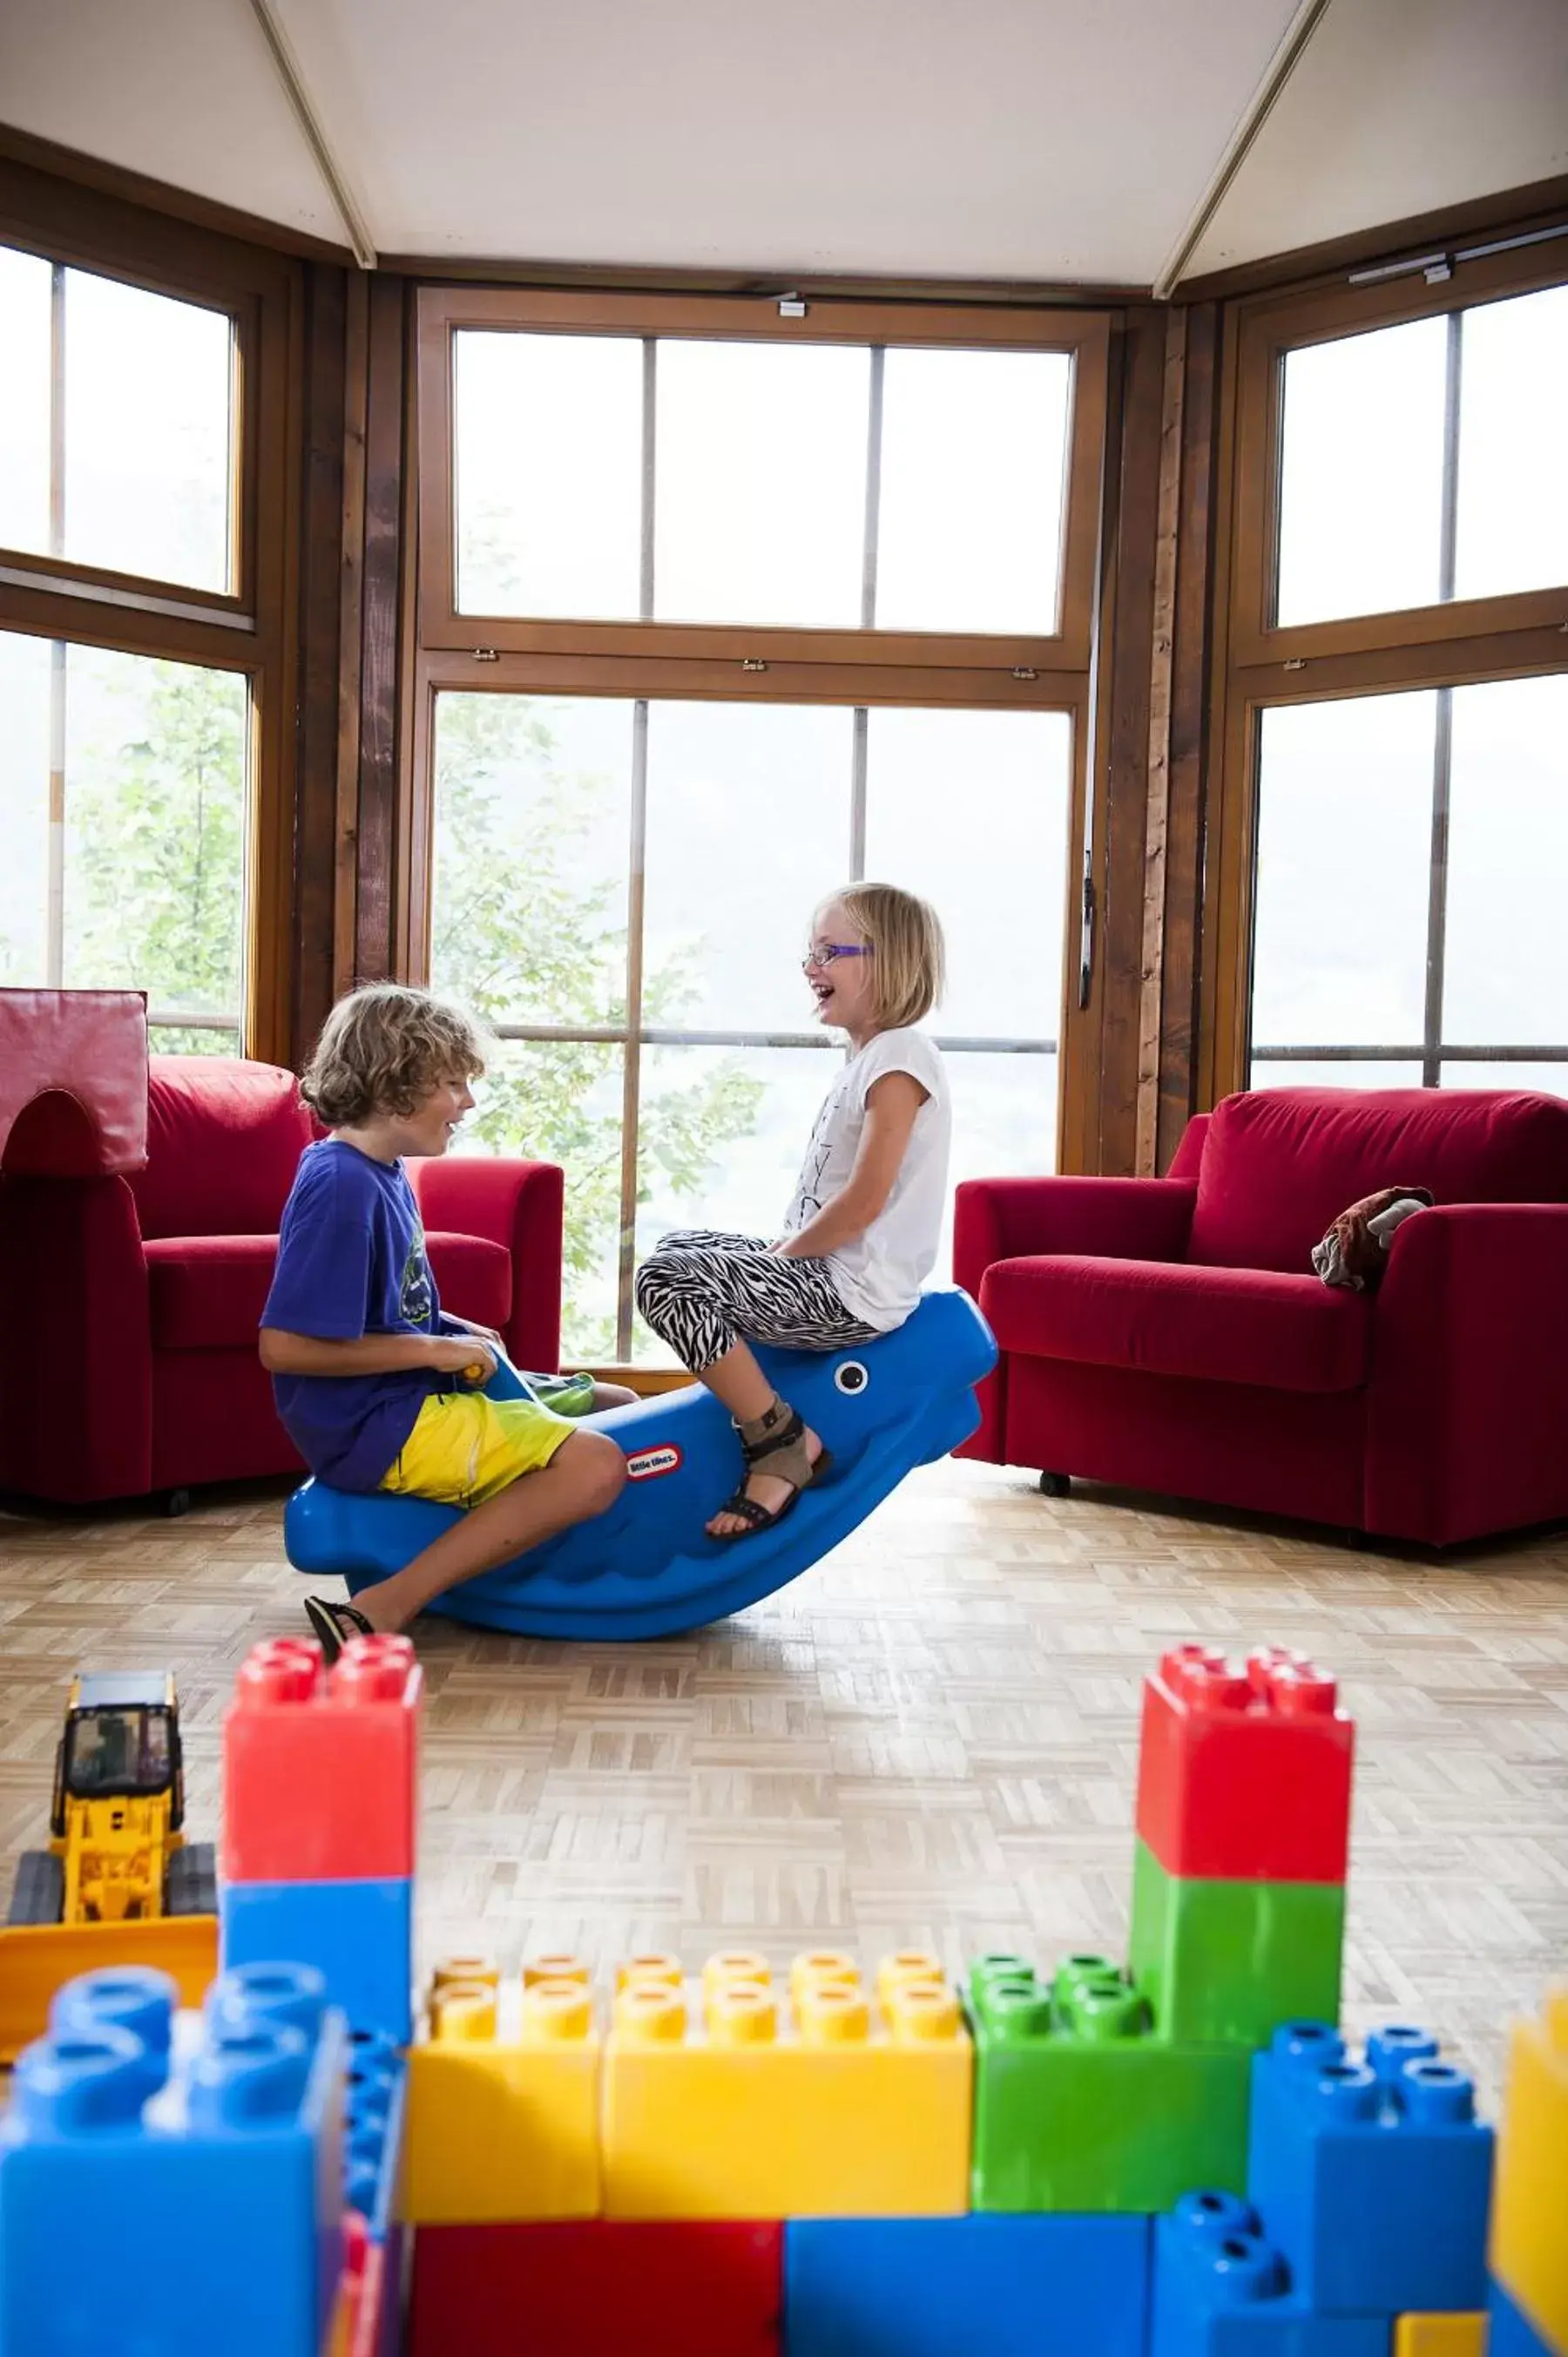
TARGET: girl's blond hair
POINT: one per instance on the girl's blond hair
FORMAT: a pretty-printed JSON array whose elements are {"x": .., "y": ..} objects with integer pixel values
[
  {"x": 909, "y": 959},
  {"x": 383, "y": 1048}
]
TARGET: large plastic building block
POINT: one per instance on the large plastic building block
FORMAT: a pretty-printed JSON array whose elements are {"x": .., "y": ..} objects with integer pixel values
[
  {"x": 321, "y": 1772},
  {"x": 169, "y": 2194},
  {"x": 73, "y": 1083},
  {"x": 358, "y": 1936},
  {"x": 594, "y": 2288},
  {"x": 826, "y": 2102},
  {"x": 1221, "y": 2290},
  {"x": 1080, "y": 2105},
  {"x": 646, "y": 1567},
  {"x": 503, "y": 2087},
  {"x": 1373, "y": 2176},
  {"x": 1529, "y": 2214},
  {"x": 1511, "y": 2333},
  {"x": 1439, "y": 2336},
  {"x": 1042, "y": 2287},
  {"x": 1225, "y": 1962},
  {"x": 1245, "y": 1774}
]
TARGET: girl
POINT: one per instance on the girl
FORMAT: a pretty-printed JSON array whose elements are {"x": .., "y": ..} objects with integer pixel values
[{"x": 861, "y": 1234}]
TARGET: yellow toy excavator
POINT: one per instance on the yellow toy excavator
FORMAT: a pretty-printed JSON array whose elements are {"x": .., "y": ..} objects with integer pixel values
[{"x": 118, "y": 1853}]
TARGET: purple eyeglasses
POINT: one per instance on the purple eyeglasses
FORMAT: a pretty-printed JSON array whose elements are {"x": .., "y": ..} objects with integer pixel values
[{"x": 830, "y": 949}]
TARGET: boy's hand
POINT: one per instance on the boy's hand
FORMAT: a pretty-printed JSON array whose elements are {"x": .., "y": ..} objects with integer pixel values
[
  {"x": 472, "y": 1326},
  {"x": 462, "y": 1354}
]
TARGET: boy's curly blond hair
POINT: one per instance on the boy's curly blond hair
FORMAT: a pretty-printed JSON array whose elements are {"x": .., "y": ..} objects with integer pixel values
[{"x": 383, "y": 1048}]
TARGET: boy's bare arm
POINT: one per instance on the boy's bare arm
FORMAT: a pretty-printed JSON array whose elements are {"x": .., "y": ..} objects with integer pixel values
[{"x": 283, "y": 1353}]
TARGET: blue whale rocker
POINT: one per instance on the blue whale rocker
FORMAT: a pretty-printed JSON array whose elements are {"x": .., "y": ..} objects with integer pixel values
[{"x": 647, "y": 1568}]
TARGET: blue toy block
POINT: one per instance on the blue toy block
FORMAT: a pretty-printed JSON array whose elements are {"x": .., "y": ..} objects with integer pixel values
[
  {"x": 1221, "y": 2290},
  {"x": 1372, "y": 2177},
  {"x": 204, "y": 2215},
  {"x": 1056, "y": 2285},
  {"x": 358, "y": 1936},
  {"x": 372, "y": 2160},
  {"x": 1510, "y": 2332},
  {"x": 647, "y": 1568}
]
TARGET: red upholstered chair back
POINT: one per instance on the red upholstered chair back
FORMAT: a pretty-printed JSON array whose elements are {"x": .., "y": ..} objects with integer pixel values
[
  {"x": 1279, "y": 1165},
  {"x": 224, "y": 1139}
]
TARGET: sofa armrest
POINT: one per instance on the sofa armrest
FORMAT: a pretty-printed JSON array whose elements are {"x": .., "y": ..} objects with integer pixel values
[
  {"x": 76, "y": 1361},
  {"x": 1466, "y": 1401},
  {"x": 1123, "y": 1219},
  {"x": 516, "y": 1205}
]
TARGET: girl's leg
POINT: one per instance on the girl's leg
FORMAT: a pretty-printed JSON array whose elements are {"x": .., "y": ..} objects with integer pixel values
[
  {"x": 704, "y": 1296},
  {"x": 587, "y": 1474}
]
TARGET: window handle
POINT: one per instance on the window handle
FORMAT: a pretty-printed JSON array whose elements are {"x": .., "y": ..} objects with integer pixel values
[{"x": 1086, "y": 940}]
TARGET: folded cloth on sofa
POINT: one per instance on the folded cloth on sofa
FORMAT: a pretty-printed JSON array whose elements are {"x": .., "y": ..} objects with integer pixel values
[{"x": 1354, "y": 1250}]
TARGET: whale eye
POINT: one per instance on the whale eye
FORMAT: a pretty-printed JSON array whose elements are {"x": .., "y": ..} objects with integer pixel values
[{"x": 851, "y": 1377}]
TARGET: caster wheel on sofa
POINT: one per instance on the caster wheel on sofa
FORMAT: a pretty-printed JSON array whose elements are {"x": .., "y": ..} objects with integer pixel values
[
  {"x": 1055, "y": 1485},
  {"x": 177, "y": 1502}
]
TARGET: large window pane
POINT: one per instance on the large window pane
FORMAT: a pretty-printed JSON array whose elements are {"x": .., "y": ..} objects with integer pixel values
[
  {"x": 1361, "y": 473},
  {"x": 748, "y": 829},
  {"x": 25, "y": 297},
  {"x": 145, "y": 888},
  {"x": 944, "y": 790},
  {"x": 1343, "y": 861},
  {"x": 560, "y": 1100},
  {"x": 147, "y": 403},
  {"x": 1513, "y": 450},
  {"x": 760, "y": 502},
  {"x": 974, "y": 449},
  {"x": 528, "y": 892},
  {"x": 1506, "y": 960},
  {"x": 548, "y": 460},
  {"x": 1538, "y": 1080},
  {"x": 1004, "y": 1126},
  {"x": 722, "y": 1134},
  {"x": 1332, "y": 1073}
]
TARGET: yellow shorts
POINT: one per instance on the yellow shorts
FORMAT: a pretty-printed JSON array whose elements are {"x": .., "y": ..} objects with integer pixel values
[{"x": 466, "y": 1447}]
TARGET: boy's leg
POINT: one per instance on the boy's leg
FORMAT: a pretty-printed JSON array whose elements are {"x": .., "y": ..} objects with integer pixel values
[{"x": 585, "y": 1475}]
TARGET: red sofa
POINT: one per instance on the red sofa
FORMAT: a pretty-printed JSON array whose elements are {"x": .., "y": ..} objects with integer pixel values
[
  {"x": 128, "y": 1348},
  {"x": 1169, "y": 1334}
]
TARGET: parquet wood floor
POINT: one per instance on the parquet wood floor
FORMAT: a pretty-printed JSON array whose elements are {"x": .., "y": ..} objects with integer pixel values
[{"x": 928, "y": 1740}]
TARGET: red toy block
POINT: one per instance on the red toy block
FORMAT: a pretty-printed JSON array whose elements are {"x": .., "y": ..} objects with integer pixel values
[
  {"x": 597, "y": 2288},
  {"x": 78, "y": 1059},
  {"x": 1245, "y": 1775},
  {"x": 321, "y": 1772}
]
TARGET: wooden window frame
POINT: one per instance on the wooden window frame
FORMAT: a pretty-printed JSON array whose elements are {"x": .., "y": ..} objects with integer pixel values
[
  {"x": 655, "y": 661},
  {"x": 1256, "y": 665},
  {"x": 250, "y": 629},
  {"x": 445, "y": 311}
]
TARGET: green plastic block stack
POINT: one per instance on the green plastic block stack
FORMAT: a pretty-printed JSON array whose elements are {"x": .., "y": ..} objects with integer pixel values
[{"x": 1121, "y": 2089}]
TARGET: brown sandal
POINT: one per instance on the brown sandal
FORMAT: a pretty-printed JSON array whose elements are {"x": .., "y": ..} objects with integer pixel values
[{"x": 773, "y": 1443}]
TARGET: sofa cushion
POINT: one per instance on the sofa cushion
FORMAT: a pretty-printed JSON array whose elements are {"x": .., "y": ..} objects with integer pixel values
[
  {"x": 224, "y": 1138},
  {"x": 472, "y": 1276},
  {"x": 1280, "y": 1165},
  {"x": 1168, "y": 1318},
  {"x": 207, "y": 1293}
]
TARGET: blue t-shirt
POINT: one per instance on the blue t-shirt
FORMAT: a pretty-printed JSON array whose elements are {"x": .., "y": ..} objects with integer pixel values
[{"x": 351, "y": 1260}]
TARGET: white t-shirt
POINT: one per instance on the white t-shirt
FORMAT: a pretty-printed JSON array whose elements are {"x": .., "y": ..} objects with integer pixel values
[{"x": 880, "y": 1276}]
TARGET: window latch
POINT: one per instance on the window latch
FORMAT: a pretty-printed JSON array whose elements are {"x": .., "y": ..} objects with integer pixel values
[{"x": 1086, "y": 940}]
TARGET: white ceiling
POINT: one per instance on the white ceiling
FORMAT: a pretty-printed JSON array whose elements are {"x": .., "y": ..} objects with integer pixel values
[{"x": 1037, "y": 139}]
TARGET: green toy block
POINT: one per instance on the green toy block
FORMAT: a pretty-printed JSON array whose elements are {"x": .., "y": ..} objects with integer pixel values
[
  {"x": 1079, "y": 2104},
  {"x": 1224, "y": 1963}
]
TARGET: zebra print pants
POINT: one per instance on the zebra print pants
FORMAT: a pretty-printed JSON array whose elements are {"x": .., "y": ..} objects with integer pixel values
[{"x": 702, "y": 1292}]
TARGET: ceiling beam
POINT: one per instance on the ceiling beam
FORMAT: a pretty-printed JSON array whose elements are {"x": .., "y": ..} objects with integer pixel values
[
  {"x": 1309, "y": 15},
  {"x": 316, "y": 139}
]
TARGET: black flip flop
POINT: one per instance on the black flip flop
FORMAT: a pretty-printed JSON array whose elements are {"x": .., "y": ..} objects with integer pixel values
[{"x": 334, "y": 1625}]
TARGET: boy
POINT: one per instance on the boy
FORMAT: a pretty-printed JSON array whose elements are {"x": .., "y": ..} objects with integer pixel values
[{"x": 377, "y": 1387}]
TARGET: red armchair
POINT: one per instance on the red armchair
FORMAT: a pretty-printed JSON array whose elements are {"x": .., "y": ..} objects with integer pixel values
[
  {"x": 1168, "y": 1334},
  {"x": 128, "y": 1349}
]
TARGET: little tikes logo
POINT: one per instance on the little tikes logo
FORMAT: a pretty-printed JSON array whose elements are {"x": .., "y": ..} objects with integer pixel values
[{"x": 650, "y": 1463}]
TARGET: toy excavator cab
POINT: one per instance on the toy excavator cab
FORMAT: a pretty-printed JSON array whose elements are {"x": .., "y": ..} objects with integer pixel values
[{"x": 121, "y": 1742}]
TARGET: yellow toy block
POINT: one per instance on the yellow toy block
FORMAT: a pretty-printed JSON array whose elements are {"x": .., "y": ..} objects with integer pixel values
[
  {"x": 1439, "y": 2336},
  {"x": 1528, "y": 2253},
  {"x": 504, "y": 2099},
  {"x": 722, "y": 2100}
]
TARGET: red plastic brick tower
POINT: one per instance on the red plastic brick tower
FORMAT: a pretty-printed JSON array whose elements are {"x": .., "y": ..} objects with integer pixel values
[
  {"x": 321, "y": 1771},
  {"x": 80, "y": 1059},
  {"x": 1245, "y": 1776}
]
